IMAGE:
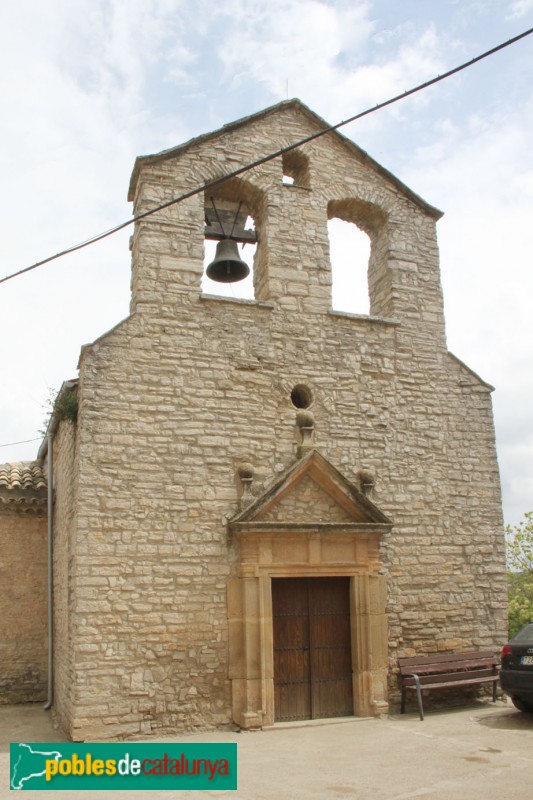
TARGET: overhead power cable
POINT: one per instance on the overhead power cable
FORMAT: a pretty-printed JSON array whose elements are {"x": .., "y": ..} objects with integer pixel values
[
  {"x": 24, "y": 441},
  {"x": 211, "y": 184}
]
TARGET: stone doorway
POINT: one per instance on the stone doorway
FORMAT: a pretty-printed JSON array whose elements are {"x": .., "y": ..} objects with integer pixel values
[
  {"x": 312, "y": 648},
  {"x": 311, "y": 525}
]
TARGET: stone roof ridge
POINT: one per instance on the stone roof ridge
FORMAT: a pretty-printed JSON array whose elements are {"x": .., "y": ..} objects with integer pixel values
[
  {"x": 203, "y": 137},
  {"x": 316, "y": 120},
  {"x": 54, "y": 420},
  {"x": 25, "y": 475},
  {"x": 471, "y": 372}
]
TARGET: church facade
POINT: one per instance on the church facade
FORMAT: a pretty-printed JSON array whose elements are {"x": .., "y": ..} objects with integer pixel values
[{"x": 260, "y": 504}]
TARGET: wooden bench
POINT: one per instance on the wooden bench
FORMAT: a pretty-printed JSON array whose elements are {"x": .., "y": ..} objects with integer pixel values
[{"x": 440, "y": 671}]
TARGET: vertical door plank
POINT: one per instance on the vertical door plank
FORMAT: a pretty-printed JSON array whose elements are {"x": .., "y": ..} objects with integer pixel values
[
  {"x": 331, "y": 660},
  {"x": 292, "y": 689}
]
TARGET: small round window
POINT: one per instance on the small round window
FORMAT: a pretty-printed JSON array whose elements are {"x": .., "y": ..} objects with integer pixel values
[{"x": 301, "y": 396}]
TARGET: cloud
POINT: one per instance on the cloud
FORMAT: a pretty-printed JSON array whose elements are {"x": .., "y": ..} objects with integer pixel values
[
  {"x": 332, "y": 56},
  {"x": 480, "y": 171},
  {"x": 73, "y": 85},
  {"x": 519, "y": 8}
]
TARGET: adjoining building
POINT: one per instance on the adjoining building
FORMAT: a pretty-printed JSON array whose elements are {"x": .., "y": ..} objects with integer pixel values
[{"x": 260, "y": 504}]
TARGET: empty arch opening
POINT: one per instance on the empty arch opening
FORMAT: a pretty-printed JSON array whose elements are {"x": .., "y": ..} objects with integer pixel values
[
  {"x": 349, "y": 248},
  {"x": 295, "y": 169}
]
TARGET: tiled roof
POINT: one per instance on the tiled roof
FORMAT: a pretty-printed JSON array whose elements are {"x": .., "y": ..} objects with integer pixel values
[{"x": 22, "y": 482}]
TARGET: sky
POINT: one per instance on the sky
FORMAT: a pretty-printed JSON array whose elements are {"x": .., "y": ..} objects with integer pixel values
[{"x": 87, "y": 85}]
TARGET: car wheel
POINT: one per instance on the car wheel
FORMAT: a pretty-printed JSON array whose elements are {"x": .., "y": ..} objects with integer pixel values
[{"x": 522, "y": 705}]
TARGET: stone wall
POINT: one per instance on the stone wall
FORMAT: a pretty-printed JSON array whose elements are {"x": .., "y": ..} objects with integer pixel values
[
  {"x": 189, "y": 386},
  {"x": 23, "y": 606},
  {"x": 64, "y": 561}
]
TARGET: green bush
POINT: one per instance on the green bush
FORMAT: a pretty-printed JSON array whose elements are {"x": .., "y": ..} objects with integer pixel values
[{"x": 520, "y": 573}]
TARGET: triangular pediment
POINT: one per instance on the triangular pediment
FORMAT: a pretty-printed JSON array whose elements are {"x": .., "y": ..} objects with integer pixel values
[
  {"x": 307, "y": 501},
  {"x": 311, "y": 492}
]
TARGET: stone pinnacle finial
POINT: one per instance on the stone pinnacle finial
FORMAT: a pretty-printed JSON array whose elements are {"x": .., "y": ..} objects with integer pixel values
[
  {"x": 366, "y": 480},
  {"x": 306, "y": 423},
  {"x": 246, "y": 475}
]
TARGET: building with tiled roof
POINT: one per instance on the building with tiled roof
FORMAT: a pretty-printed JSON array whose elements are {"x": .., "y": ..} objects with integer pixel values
[
  {"x": 23, "y": 582},
  {"x": 23, "y": 483}
]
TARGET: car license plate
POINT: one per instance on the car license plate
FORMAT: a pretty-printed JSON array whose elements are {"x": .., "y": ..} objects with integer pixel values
[{"x": 527, "y": 661}]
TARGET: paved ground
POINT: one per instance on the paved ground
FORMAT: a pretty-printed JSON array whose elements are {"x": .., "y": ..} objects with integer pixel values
[{"x": 476, "y": 753}]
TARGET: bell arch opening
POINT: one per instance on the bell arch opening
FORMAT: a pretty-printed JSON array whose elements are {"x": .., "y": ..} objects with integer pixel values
[
  {"x": 349, "y": 253},
  {"x": 356, "y": 231},
  {"x": 231, "y": 212}
]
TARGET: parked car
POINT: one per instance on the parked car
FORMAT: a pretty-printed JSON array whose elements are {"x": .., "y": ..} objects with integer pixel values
[{"x": 516, "y": 675}]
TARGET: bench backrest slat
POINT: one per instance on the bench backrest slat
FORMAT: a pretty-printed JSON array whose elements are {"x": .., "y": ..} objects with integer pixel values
[
  {"x": 436, "y": 658},
  {"x": 447, "y": 662},
  {"x": 448, "y": 666},
  {"x": 451, "y": 677}
]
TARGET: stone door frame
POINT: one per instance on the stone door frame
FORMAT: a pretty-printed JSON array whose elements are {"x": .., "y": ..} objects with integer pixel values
[
  {"x": 270, "y": 547},
  {"x": 267, "y": 555}
]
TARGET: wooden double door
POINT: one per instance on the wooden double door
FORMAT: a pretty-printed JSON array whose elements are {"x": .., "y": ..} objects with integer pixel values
[{"x": 312, "y": 648}]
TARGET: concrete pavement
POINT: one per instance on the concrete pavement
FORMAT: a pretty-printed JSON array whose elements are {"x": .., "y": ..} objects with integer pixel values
[{"x": 479, "y": 752}]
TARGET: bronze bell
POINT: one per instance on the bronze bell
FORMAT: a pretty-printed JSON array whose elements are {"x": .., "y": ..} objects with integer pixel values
[{"x": 227, "y": 266}]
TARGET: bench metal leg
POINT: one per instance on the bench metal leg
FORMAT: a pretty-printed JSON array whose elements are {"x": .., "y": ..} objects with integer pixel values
[
  {"x": 419, "y": 697},
  {"x": 402, "y": 707}
]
